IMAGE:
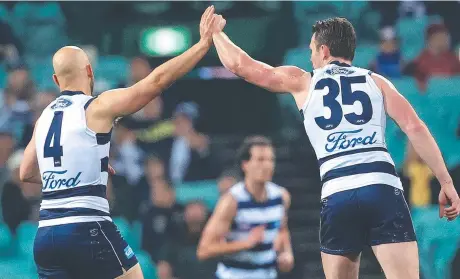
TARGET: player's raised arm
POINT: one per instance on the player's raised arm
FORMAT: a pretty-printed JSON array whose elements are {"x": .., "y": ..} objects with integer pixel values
[
  {"x": 121, "y": 102},
  {"x": 400, "y": 110},
  {"x": 284, "y": 79},
  {"x": 213, "y": 242}
]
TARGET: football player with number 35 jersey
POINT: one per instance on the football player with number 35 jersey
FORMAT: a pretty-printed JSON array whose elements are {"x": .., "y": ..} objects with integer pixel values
[{"x": 344, "y": 110}]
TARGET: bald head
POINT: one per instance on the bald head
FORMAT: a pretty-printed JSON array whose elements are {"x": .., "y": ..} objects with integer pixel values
[{"x": 72, "y": 68}]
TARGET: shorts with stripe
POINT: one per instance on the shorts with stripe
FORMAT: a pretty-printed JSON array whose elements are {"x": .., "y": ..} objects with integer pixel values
[{"x": 82, "y": 250}]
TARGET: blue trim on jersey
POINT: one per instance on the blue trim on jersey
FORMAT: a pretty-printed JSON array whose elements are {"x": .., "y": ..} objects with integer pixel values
[
  {"x": 380, "y": 166},
  {"x": 361, "y": 150},
  {"x": 103, "y": 138},
  {"x": 340, "y": 64},
  {"x": 268, "y": 226},
  {"x": 54, "y": 213},
  {"x": 261, "y": 247},
  {"x": 89, "y": 190},
  {"x": 89, "y": 102},
  {"x": 246, "y": 265},
  {"x": 254, "y": 204},
  {"x": 71, "y": 93},
  {"x": 105, "y": 164}
]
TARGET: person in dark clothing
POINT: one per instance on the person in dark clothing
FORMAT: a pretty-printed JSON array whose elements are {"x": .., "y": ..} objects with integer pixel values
[
  {"x": 179, "y": 254},
  {"x": 160, "y": 214},
  {"x": 16, "y": 207}
]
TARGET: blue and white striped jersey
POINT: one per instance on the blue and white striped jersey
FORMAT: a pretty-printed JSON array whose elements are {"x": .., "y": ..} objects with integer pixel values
[
  {"x": 344, "y": 117},
  {"x": 73, "y": 163},
  {"x": 260, "y": 261}
]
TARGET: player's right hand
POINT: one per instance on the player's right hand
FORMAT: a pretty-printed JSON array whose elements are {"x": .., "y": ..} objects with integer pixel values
[
  {"x": 219, "y": 23},
  {"x": 207, "y": 24},
  {"x": 256, "y": 235},
  {"x": 448, "y": 195}
]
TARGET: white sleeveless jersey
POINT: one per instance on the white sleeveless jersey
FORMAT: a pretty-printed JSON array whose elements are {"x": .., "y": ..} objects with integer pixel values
[
  {"x": 260, "y": 261},
  {"x": 344, "y": 117},
  {"x": 73, "y": 163}
]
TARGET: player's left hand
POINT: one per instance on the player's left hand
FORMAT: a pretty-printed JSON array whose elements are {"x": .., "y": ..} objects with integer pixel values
[
  {"x": 206, "y": 24},
  {"x": 285, "y": 262},
  {"x": 111, "y": 170}
]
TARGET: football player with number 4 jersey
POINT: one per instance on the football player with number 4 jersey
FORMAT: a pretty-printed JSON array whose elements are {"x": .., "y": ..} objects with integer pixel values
[
  {"x": 69, "y": 155},
  {"x": 344, "y": 110}
]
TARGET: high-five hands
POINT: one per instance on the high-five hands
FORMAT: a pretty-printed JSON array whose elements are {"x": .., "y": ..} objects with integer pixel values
[{"x": 207, "y": 24}]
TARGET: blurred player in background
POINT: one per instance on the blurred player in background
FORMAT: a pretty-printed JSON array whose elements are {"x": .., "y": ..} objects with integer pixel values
[
  {"x": 68, "y": 154},
  {"x": 344, "y": 116},
  {"x": 249, "y": 225}
]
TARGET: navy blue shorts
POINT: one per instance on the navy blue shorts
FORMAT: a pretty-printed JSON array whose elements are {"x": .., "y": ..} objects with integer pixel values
[
  {"x": 366, "y": 216},
  {"x": 82, "y": 250}
]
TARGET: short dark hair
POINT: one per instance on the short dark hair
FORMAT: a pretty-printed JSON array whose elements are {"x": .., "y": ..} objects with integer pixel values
[
  {"x": 244, "y": 153},
  {"x": 338, "y": 35}
]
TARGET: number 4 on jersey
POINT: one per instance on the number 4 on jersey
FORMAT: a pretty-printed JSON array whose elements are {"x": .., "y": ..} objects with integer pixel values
[{"x": 54, "y": 134}]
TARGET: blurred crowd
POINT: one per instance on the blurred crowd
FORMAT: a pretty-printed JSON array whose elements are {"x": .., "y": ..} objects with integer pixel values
[{"x": 436, "y": 59}]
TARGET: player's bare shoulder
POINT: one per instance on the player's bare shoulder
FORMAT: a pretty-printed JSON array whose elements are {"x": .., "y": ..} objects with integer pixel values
[{"x": 226, "y": 207}]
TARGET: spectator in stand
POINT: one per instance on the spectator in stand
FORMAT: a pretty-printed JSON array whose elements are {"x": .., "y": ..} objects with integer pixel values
[
  {"x": 19, "y": 200},
  {"x": 43, "y": 99},
  {"x": 139, "y": 69},
  {"x": 226, "y": 180},
  {"x": 126, "y": 155},
  {"x": 437, "y": 59},
  {"x": 161, "y": 216},
  {"x": 153, "y": 133},
  {"x": 420, "y": 180},
  {"x": 16, "y": 114},
  {"x": 9, "y": 45},
  {"x": 189, "y": 160},
  {"x": 180, "y": 253},
  {"x": 39, "y": 102},
  {"x": 388, "y": 62},
  {"x": 7, "y": 148},
  {"x": 154, "y": 171}
]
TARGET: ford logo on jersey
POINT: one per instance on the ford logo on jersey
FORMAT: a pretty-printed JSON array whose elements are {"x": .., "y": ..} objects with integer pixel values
[
  {"x": 52, "y": 181},
  {"x": 344, "y": 140}
]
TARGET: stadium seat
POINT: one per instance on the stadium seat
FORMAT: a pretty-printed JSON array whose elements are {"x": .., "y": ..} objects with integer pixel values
[
  {"x": 396, "y": 143},
  {"x": 445, "y": 86},
  {"x": 17, "y": 268},
  {"x": 365, "y": 54},
  {"x": 205, "y": 191},
  {"x": 411, "y": 32},
  {"x": 112, "y": 67},
  {"x": 41, "y": 70},
  {"x": 438, "y": 241},
  {"x": 26, "y": 235},
  {"x": 40, "y": 27},
  {"x": 5, "y": 240},
  {"x": 299, "y": 57},
  {"x": 126, "y": 231},
  {"x": 136, "y": 231},
  {"x": 148, "y": 268},
  {"x": 4, "y": 13}
]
